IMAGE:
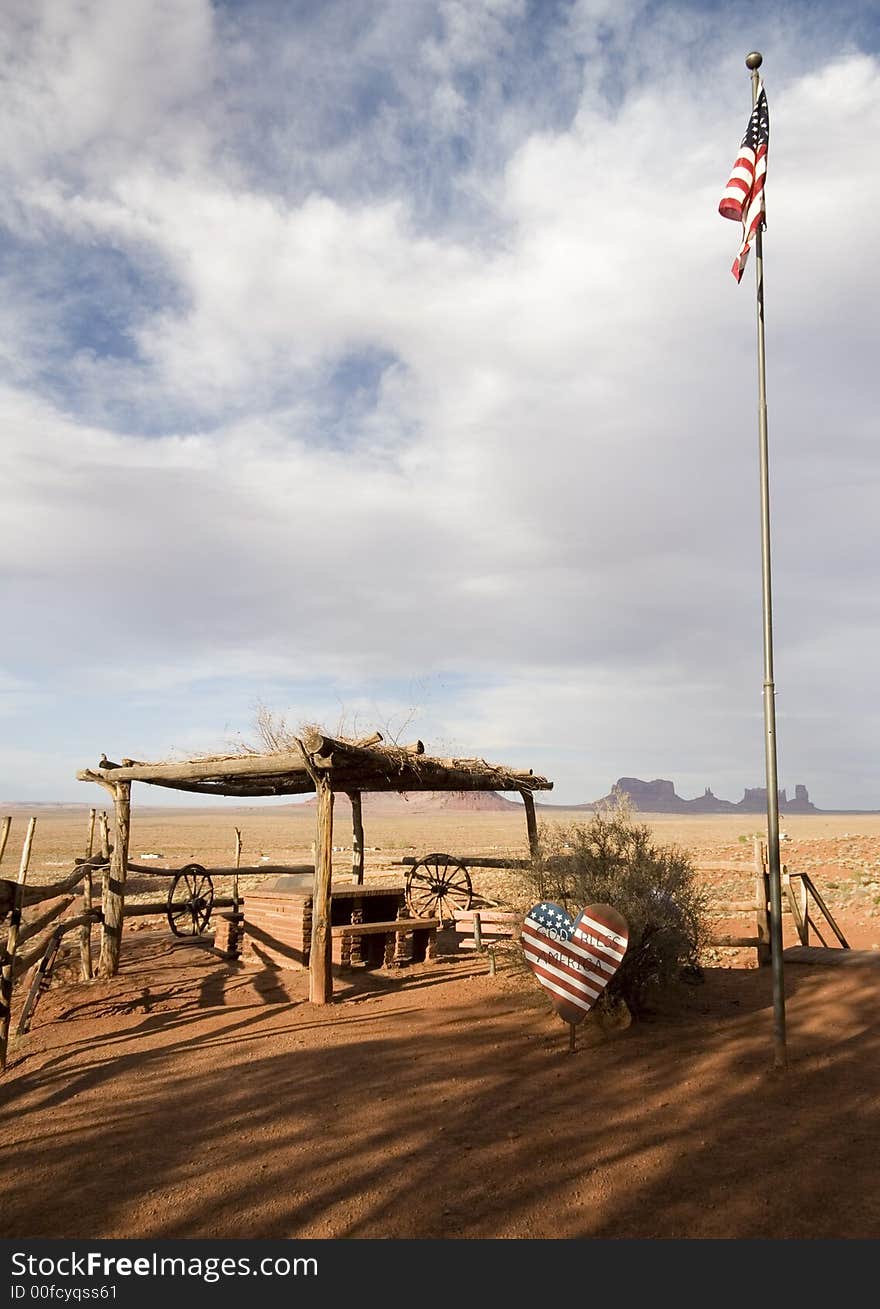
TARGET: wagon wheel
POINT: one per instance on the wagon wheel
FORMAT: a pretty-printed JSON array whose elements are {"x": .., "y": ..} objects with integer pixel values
[
  {"x": 438, "y": 885},
  {"x": 191, "y": 914}
]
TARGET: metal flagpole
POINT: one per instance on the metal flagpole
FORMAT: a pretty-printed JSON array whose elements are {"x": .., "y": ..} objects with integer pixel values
[{"x": 753, "y": 63}]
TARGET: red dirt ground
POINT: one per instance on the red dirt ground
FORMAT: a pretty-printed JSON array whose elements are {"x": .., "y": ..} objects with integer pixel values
[{"x": 190, "y": 1097}]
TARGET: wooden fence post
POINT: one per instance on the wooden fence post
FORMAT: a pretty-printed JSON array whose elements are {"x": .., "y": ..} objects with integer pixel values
[
  {"x": 762, "y": 897},
  {"x": 320, "y": 956},
  {"x": 104, "y": 824},
  {"x": 531, "y": 822},
  {"x": 7, "y": 975},
  {"x": 114, "y": 884},
  {"x": 237, "y": 831},
  {"x": 85, "y": 935},
  {"x": 357, "y": 837},
  {"x": 4, "y": 835}
]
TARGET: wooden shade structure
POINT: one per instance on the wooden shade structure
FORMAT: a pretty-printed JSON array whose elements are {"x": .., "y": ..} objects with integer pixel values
[{"x": 321, "y": 764}]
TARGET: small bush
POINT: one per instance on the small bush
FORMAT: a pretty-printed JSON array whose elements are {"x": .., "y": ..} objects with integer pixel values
[{"x": 613, "y": 860}]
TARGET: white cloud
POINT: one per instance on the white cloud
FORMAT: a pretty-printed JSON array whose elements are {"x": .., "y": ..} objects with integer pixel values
[
  {"x": 91, "y": 82},
  {"x": 545, "y": 494}
]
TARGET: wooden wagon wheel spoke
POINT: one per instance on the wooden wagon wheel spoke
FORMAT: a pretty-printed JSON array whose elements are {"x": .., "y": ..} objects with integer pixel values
[
  {"x": 190, "y": 901},
  {"x": 203, "y": 902},
  {"x": 459, "y": 884},
  {"x": 181, "y": 920},
  {"x": 423, "y": 897},
  {"x": 438, "y": 885}
]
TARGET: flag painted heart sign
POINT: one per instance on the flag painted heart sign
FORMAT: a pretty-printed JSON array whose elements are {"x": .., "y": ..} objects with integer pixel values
[{"x": 574, "y": 959}]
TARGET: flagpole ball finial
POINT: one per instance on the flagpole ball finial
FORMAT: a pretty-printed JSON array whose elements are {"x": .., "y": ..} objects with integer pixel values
[{"x": 754, "y": 60}]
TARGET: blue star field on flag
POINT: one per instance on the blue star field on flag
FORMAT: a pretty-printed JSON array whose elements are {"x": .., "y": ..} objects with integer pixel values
[{"x": 553, "y": 920}]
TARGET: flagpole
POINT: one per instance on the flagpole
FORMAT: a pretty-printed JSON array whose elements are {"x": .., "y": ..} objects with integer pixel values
[{"x": 753, "y": 63}]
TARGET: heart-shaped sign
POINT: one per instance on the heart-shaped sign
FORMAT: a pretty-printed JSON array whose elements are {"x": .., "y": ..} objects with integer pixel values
[{"x": 574, "y": 959}]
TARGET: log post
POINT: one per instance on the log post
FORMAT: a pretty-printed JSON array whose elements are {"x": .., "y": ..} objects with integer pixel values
[
  {"x": 237, "y": 831},
  {"x": 104, "y": 830},
  {"x": 531, "y": 822},
  {"x": 320, "y": 958},
  {"x": 104, "y": 824},
  {"x": 114, "y": 884},
  {"x": 85, "y": 935},
  {"x": 4, "y": 835},
  {"x": 7, "y": 974},
  {"x": 762, "y": 897},
  {"x": 357, "y": 837}
]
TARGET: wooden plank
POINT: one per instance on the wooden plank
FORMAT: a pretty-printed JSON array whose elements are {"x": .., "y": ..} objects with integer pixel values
[
  {"x": 488, "y": 945},
  {"x": 486, "y": 939},
  {"x": 42, "y": 921},
  {"x": 503, "y": 927},
  {"x": 249, "y": 870},
  {"x": 349, "y": 891},
  {"x": 27, "y": 960},
  {"x": 471, "y": 861},
  {"x": 39, "y": 981},
  {"x": 466, "y": 916},
  {"x": 31, "y": 895},
  {"x": 393, "y": 925},
  {"x": 797, "y": 909},
  {"x": 735, "y": 908},
  {"x": 810, "y": 886}
]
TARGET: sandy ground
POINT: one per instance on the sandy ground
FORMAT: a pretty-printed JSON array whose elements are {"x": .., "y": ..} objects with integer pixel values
[{"x": 192, "y": 1097}]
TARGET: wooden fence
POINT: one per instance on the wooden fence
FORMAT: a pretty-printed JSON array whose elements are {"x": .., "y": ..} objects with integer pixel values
[
  {"x": 801, "y": 900},
  {"x": 34, "y": 942}
]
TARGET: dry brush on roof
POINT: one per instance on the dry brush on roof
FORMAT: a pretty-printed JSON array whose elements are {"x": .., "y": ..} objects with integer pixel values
[{"x": 363, "y": 764}]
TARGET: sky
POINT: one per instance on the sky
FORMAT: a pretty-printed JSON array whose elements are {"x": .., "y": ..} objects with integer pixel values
[{"x": 380, "y": 363}]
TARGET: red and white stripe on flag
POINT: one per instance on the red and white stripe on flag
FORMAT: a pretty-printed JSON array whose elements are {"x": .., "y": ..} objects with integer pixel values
[
  {"x": 575, "y": 972},
  {"x": 743, "y": 198}
]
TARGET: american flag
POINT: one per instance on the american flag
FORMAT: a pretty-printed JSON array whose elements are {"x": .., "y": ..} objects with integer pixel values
[
  {"x": 743, "y": 198},
  {"x": 574, "y": 959}
]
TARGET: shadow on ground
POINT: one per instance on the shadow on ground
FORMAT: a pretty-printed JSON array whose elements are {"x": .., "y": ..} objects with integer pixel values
[{"x": 190, "y": 1097}]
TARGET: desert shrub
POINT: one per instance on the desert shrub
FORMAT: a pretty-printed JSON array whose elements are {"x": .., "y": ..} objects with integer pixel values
[{"x": 613, "y": 859}]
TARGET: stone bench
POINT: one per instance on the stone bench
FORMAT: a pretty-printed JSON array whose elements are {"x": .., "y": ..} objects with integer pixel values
[{"x": 399, "y": 941}]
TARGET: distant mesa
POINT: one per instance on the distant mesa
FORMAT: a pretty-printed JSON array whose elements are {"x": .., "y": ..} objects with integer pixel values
[
  {"x": 659, "y": 797},
  {"x": 431, "y": 802}
]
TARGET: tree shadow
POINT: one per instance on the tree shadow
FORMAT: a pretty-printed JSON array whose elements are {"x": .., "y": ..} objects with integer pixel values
[{"x": 446, "y": 1110}]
